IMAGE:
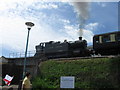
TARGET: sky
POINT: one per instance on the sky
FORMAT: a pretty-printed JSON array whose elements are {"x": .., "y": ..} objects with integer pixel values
[{"x": 54, "y": 21}]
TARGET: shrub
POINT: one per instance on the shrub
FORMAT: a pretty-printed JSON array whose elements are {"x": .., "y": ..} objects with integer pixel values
[{"x": 89, "y": 73}]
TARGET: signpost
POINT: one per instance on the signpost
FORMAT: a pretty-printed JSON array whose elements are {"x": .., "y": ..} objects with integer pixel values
[{"x": 67, "y": 82}]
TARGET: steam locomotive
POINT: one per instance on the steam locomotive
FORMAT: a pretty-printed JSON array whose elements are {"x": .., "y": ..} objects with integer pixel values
[
  {"x": 62, "y": 49},
  {"x": 104, "y": 44}
]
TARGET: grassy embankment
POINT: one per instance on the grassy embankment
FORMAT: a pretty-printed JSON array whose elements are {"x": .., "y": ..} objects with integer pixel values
[{"x": 89, "y": 73}]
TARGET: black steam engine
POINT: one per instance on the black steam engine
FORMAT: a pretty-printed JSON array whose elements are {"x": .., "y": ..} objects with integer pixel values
[{"x": 62, "y": 49}]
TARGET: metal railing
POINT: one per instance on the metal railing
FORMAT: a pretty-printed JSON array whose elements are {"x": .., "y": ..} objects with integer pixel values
[{"x": 21, "y": 54}]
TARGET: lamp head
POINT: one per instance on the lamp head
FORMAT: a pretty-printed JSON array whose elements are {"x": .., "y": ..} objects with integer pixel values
[{"x": 29, "y": 25}]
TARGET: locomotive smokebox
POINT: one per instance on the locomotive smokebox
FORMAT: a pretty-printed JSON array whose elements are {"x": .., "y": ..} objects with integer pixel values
[{"x": 80, "y": 38}]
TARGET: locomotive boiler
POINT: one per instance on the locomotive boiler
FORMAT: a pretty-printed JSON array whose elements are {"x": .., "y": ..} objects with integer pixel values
[{"x": 64, "y": 49}]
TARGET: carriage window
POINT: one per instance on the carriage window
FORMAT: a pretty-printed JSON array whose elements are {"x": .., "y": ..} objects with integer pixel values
[
  {"x": 118, "y": 37},
  {"x": 97, "y": 39},
  {"x": 112, "y": 37},
  {"x": 106, "y": 38}
]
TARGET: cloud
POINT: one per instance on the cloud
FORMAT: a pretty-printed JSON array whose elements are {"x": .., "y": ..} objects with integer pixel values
[
  {"x": 65, "y": 21},
  {"x": 13, "y": 29},
  {"x": 102, "y": 4},
  {"x": 13, "y": 32},
  {"x": 73, "y": 32},
  {"x": 88, "y": 35},
  {"x": 92, "y": 26},
  {"x": 43, "y": 5},
  {"x": 87, "y": 0},
  {"x": 13, "y": 4},
  {"x": 25, "y": 4}
]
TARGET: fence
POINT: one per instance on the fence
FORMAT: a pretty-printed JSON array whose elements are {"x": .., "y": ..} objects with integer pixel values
[{"x": 21, "y": 54}]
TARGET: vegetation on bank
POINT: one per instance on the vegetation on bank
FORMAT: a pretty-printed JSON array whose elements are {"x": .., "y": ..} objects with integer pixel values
[{"x": 89, "y": 73}]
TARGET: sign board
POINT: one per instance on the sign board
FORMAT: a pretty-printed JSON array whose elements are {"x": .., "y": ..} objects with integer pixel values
[{"x": 67, "y": 82}]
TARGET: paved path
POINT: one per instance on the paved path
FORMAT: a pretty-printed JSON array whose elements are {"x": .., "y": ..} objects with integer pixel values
[{"x": 11, "y": 87}]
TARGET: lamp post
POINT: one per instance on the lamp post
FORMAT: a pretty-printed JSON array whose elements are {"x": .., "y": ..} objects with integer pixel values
[{"x": 29, "y": 26}]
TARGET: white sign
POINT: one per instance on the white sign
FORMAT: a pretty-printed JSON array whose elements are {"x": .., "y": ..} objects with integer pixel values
[
  {"x": 67, "y": 82},
  {"x": 8, "y": 79}
]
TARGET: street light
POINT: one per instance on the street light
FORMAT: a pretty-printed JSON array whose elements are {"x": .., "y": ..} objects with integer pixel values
[{"x": 29, "y": 26}]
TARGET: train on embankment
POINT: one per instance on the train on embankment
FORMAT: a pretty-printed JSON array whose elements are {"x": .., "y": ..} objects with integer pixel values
[{"x": 103, "y": 44}]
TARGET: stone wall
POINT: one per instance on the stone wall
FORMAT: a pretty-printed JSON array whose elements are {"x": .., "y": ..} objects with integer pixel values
[
  {"x": 14, "y": 67},
  {"x": 12, "y": 70}
]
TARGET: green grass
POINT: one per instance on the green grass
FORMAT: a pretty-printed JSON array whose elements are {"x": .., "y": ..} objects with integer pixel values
[{"x": 89, "y": 73}]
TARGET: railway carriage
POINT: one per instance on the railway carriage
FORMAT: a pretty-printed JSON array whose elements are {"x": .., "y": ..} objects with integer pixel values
[{"x": 107, "y": 44}]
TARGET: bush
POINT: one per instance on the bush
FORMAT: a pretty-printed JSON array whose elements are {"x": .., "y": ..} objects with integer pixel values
[
  {"x": 41, "y": 83},
  {"x": 89, "y": 73}
]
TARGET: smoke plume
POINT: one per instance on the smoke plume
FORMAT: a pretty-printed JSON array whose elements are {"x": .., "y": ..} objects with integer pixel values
[{"x": 82, "y": 10}]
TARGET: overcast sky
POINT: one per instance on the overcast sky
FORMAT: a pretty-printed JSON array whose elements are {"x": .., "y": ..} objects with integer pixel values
[{"x": 54, "y": 21}]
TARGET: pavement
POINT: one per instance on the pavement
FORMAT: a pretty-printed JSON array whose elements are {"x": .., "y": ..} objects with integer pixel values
[{"x": 11, "y": 87}]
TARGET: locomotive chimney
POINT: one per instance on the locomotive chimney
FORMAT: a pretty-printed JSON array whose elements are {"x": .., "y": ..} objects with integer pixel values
[{"x": 80, "y": 38}]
